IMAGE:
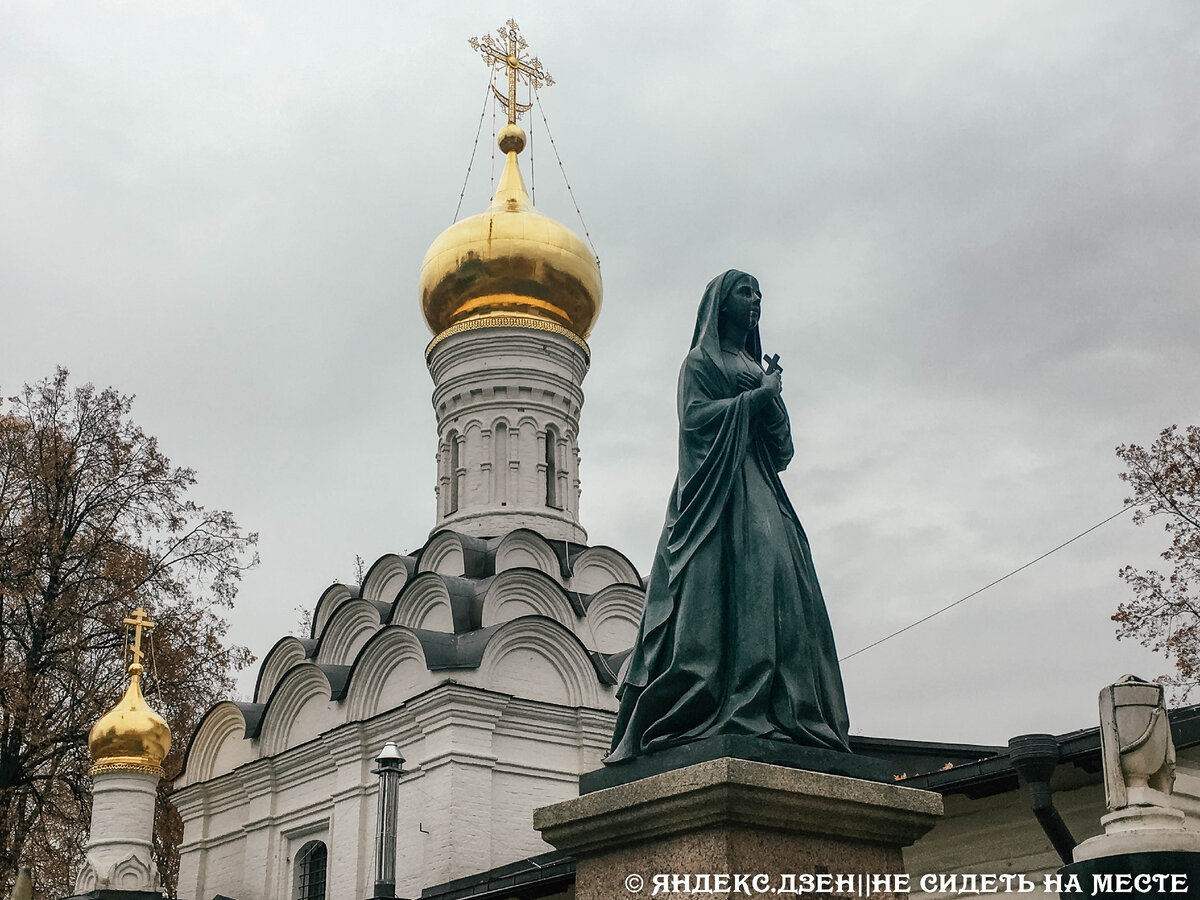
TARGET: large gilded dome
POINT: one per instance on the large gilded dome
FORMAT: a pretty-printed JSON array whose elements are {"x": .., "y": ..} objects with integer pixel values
[
  {"x": 510, "y": 263},
  {"x": 131, "y": 735}
]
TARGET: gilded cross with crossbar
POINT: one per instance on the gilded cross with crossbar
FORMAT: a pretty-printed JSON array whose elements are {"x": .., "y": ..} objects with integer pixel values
[
  {"x": 138, "y": 622},
  {"x": 504, "y": 52}
]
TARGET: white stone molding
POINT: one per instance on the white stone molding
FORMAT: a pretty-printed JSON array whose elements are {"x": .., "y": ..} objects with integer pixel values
[
  {"x": 524, "y": 592},
  {"x": 539, "y": 659},
  {"x": 597, "y": 567},
  {"x": 333, "y": 597},
  {"x": 299, "y": 709},
  {"x": 346, "y": 631},
  {"x": 288, "y": 651},
  {"x": 615, "y": 612},
  {"x": 386, "y": 578},
  {"x": 133, "y": 873},
  {"x": 389, "y": 670},
  {"x": 443, "y": 554},
  {"x": 424, "y": 603},
  {"x": 525, "y": 548},
  {"x": 218, "y": 746}
]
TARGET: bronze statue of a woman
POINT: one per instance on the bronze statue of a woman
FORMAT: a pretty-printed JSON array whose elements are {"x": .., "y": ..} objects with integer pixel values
[{"x": 734, "y": 639}]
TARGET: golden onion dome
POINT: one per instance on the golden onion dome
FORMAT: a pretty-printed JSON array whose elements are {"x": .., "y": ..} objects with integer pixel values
[
  {"x": 510, "y": 263},
  {"x": 131, "y": 735}
]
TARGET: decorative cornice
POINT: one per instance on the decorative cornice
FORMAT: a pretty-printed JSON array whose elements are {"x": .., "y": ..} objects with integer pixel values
[
  {"x": 500, "y": 321},
  {"x": 142, "y": 768}
]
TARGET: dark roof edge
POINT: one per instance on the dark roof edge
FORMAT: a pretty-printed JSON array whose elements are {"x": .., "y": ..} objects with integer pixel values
[
  {"x": 537, "y": 876},
  {"x": 997, "y": 774}
]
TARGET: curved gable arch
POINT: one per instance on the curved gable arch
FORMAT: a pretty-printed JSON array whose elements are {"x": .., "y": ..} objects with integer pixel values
[
  {"x": 335, "y": 595},
  {"x": 287, "y": 652},
  {"x": 219, "y": 745},
  {"x": 614, "y": 613},
  {"x": 299, "y": 709},
  {"x": 526, "y": 549},
  {"x": 526, "y": 592},
  {"x": 390, "y": 669},
  {"x": 351, "y": 626},
  {"x": 598, "y": 567},
  {"x": 443, "y": 553},
  {"x": 424, "y": 603},
  {"x": 387, "y": 576},
  {"x": 538, "y": 659}
]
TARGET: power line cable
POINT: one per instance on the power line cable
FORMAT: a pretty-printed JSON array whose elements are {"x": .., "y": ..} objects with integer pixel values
[
  {"x": 985, "y": 587},
  {"x": 570, "y": 192},
  {"x": 475, "y": 146}
]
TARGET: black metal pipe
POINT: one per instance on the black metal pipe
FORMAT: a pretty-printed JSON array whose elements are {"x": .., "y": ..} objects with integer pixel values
[{"x": 1035, "y": 756}]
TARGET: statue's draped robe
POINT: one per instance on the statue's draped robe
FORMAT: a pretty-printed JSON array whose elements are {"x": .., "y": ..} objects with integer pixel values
[{"x": 734, "y": 638}]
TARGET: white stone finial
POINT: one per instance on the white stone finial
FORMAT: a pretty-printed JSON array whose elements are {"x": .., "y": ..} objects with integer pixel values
[
  {"x": 1153, "y": 804},
  {"x": 1135, "y": 740}
]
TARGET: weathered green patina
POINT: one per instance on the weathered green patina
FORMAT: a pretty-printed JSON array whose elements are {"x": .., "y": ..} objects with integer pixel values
[{"x": 735, "y": 638}]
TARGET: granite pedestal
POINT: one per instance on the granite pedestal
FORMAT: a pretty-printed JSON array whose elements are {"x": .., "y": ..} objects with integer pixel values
[{"x": 733, "y": 817}]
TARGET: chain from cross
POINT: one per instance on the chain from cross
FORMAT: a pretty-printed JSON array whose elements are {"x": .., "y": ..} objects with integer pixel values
[
  {"x": 773, "y": 365},
  {"x": 504, "y": 52},
  {"x": 138, "y": 622}
]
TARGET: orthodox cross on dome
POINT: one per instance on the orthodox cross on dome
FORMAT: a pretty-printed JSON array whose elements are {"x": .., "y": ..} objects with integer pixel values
[
  {"x": 504, "y": 52},
  {"x": 138, "y": 622}
]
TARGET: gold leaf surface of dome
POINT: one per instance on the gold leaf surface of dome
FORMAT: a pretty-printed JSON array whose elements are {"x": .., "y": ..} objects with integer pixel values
[
  {"x": 131, "y": 735},
  {"x": 510, "y": 260}
]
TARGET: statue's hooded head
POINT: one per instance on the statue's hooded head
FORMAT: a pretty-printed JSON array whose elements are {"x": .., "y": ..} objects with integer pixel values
[{"x": 707, "y": 335}]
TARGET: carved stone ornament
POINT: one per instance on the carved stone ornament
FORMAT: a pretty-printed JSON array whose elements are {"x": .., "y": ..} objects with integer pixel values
[
  {"x": 131, "y": 873},
  {"x": 1135, "y": 740}
]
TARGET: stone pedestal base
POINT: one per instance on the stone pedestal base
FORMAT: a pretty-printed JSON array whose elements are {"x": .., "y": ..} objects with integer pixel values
[
  {"x": 1140, "y": 829},
  {"x": 733, "y": 817}
]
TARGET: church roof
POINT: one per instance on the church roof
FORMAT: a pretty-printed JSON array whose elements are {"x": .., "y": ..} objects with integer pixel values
[{"x": 457, "y": 607}]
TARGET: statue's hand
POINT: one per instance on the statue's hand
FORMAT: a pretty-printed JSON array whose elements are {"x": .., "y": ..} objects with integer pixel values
[
  {"x": 773, "y": 383},
  {"x": 747, "y": 381}
]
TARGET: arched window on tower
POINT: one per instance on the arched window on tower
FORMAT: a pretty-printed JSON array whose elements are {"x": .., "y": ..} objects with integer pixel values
[
  {"x": 552, "y": 469},
  {"x": 311, "y": 864},
  {"x": 500, "y": 463},
  {"x": 452, "y": 440}
]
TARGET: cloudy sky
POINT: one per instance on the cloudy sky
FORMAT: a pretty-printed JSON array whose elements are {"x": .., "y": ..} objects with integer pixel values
[{"x": 975, "y": 226}]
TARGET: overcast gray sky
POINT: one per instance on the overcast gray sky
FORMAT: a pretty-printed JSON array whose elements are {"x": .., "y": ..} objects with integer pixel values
[{"x": 975, "y": 226}]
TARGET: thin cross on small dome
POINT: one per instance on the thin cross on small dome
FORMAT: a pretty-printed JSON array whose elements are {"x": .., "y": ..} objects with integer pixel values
[
  {"x": 504, "y": 52},
  {"x": 138, "y": 622}
]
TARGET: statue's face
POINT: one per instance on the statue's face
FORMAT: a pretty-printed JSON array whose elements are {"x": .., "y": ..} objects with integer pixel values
[{"x": 743, "y": 304}]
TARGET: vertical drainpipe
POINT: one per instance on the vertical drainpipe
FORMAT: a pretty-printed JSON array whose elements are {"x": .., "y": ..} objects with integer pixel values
[
  {"x": 390, "y": 765},
  {"x": 1035, "y": 756}
]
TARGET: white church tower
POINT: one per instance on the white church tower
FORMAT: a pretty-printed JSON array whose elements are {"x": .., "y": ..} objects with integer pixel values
[
  {"x": 489, "y": 657},
  {"x": 128, "y": 745},
  {"x": 510, "y": 296}
]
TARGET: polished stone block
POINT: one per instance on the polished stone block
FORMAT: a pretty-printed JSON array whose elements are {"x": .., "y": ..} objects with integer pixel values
[{"x": 735, "y": 816}]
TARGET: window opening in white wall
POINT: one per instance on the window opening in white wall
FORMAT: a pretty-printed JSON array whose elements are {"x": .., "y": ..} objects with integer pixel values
[
  {"x": 311, "y": 863},
  {"x": 552, "y": 469}
]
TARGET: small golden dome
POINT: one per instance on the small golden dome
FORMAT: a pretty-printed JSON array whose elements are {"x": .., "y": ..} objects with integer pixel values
[
  {"x": 510, "y": 261},
  {"x": 130, "y": 735}
]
